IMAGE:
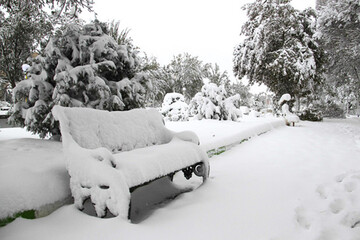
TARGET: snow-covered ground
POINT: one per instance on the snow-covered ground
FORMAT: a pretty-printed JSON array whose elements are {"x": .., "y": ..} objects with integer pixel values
[
  {"x": 41, "y": 164},
  {"x": 292, "y": 183}
]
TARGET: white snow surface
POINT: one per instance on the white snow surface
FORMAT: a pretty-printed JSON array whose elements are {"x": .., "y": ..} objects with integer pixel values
[
  {"x": 32, "y": 173},
  {"x": 292, "y": 183},
  {"x": 214, "y": 133},
  {"x": 27, "y": 154},
  {"x": 15, "y": 133}
]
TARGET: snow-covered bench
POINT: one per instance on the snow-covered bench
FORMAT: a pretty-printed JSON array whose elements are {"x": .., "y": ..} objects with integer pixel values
[{"x": 110, "y": 153}]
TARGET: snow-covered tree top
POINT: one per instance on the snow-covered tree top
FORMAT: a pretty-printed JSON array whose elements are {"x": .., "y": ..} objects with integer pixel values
[
  {"x": 213, "y": 91},
  {"x": 173, "y": 97}
]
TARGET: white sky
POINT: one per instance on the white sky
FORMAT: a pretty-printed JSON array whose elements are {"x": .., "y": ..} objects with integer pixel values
[{"x": 208, "y": 29}]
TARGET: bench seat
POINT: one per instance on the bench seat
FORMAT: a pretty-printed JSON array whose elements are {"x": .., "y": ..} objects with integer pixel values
[{"x": 142, "y": 164}]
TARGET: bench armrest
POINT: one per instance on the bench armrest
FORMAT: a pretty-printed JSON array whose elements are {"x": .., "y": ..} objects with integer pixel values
[
  {"x": 188, "y": 136},
  {"x": 95, "y": 175}
]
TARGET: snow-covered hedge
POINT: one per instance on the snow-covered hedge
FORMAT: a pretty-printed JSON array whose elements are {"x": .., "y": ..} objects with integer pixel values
[
  {"x": 174, "y": 107},
  {"x": 212, "y": 103},
  {"x": 83, "y": 67}
]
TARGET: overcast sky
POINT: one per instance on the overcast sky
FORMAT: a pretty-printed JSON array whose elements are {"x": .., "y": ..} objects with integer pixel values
[{"x": 208, "y": 29}]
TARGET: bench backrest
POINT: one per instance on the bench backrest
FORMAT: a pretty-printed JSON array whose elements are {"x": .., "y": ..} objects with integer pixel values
[{"x": 116, "y": 131}]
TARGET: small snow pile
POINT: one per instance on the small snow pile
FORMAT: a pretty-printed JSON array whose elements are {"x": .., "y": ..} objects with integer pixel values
[
  {"x": 336, "y": 214},
  {"x": 290, "y": 117},
  {"x": 174, "y": 107},
  {"x": 212, "y": 103}
]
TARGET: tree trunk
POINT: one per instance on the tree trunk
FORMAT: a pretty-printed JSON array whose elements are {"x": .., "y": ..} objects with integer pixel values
[
  {"x": 297, "y": 103},
  {"x": 357, "y": 91}
]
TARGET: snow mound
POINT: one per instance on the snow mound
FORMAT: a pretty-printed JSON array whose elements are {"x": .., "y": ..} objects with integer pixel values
[{"x": 29, "y": 182}]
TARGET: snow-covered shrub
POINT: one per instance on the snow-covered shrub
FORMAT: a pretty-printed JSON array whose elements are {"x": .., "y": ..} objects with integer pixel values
[
  {"x": 311, "y": 114},
  {"x": 231, "y": 108},
  {"x": 82, "y": 67},
  {"x": 174, "y": 107},
  {"x": 212, "y": 103}
]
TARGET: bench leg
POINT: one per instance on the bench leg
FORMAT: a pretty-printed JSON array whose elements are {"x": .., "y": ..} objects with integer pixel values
[{"x": 129, "y": 211}]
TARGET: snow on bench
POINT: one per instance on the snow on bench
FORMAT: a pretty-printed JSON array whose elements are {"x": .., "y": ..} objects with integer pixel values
[{"x": 109, "y": 153}]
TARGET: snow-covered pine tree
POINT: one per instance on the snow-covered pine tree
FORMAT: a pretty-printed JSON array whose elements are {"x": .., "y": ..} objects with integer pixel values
[
  {"x": 174, "y": 107},
  {"x": 212, "y": 103},
  {"x": 279, "y": 48},
  {"x": 83, "y": 67}
]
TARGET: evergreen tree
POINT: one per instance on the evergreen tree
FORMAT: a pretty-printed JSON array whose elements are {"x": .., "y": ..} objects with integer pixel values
[
  {"x": 83, "y": 67},
  {"x": 279, "y": 48},
  {"x": 157, "y": 77}
]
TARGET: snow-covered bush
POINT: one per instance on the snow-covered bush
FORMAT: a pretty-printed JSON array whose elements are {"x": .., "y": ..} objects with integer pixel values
[
  {"x": 82, "y": 67},
  {"x": 212, "y": 103},
  {"x": 311, "y": 114},
  {"x": 174, "y": 107}
]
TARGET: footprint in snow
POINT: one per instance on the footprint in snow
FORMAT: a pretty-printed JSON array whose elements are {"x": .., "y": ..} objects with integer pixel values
[
  {"x": 321, "y": 190},
  {"x": 350, "y": 186},
  {"x": 336, "y": 206},
  {"x": 302, "y": 218}
]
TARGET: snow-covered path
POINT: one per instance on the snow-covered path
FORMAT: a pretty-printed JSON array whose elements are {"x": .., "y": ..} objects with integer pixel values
[{"x": 266, "y": 188}]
